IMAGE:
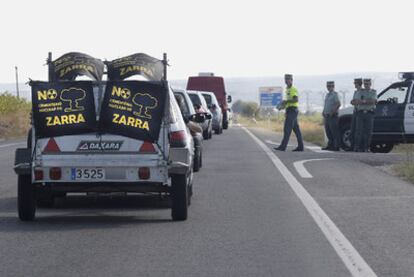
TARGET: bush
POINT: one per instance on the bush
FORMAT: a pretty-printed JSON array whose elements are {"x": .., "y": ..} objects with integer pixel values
[
  {"x": 14, "y": 115},
  {"x": 247, "y": 109}
]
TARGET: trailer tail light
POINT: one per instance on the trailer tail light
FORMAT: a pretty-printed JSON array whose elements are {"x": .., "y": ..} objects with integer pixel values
[
  {"x": 38, "y": 174},
  {"x": 147, "y": 147},
  {"x": 51, "y": 146},
  {"x": 144, "y": 173},
  {"x": 55, "y": 173},
  {"x": 178, "y": 139}
]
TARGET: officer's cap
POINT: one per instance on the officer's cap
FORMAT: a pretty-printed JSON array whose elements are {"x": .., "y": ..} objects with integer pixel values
[
  {"x": 330, "y": 83},
  {"x": 358, "y": 81},
  {"x": 367, "y": 80},
  {"x": 288, "y": 76}
]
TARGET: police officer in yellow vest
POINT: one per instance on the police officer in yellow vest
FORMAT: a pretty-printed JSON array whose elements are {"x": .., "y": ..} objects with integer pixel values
[
  {"x": 291, "y": 104},
  {"x": 365, "y": 103}
]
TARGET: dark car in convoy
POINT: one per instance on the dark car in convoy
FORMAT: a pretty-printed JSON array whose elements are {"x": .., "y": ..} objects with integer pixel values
[
  {"x": 394, "y": 117},
  {"x": 215, "y": 84},
  {"x": 215, "y": 109},
  {"x": 200, "y": 106},
  {"x": 188, "y": 112}
]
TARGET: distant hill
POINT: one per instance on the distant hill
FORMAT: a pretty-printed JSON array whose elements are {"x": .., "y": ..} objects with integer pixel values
[{"x": 246, "y": 88}]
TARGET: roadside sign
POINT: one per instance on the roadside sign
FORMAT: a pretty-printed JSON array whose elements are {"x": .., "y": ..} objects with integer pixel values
[{"x": 270, "y": 96}]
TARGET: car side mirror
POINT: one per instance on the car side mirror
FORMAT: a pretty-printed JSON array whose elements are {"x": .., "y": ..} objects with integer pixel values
[
  {"x": 198, "y": 117},
  {"x": 208, "y": 116},
  {"x": 229, "y": 99}
]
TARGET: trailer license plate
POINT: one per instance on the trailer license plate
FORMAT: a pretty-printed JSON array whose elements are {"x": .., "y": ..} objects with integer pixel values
[{"x": 88, "y": 173}]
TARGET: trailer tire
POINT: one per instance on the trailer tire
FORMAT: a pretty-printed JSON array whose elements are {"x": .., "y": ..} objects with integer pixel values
[
  {"x": 179, "y": 195},
  {"x": 26, "y": 198}
]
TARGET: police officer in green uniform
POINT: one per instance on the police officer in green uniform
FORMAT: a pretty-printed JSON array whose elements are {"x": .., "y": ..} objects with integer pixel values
[
  {"x": 358, "y": 87},
  {"x": 364, "y": 101},
  {"x": 330, "y": 116},
  {"x": 291, "y": 104}
]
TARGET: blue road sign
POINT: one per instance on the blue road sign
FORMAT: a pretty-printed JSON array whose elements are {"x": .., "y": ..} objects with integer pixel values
[{"x": 270, "y": 99}]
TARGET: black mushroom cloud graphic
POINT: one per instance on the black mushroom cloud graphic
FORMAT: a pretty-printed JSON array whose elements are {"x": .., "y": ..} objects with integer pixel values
[
  {"x": 73, "y": 96},
  {"x": 145, "y": 103}
]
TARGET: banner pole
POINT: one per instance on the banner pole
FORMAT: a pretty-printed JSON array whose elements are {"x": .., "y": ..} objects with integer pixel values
[
  {"x": 49, "y": 66},
  {"x": 165, "y": 63}
]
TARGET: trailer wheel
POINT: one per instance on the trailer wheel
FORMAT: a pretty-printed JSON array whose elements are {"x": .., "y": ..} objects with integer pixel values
[
  {"x": 179, "y": 195},
  {"x": 26, "y": 198}
]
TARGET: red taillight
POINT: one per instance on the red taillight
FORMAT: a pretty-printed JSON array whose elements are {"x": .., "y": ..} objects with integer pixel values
[
  {"x": 38, "y": 174},
  {"x": 55, "y": 173},
  {"x": 147, "y": 147},
  {"x": 177, "y": 139},
  {"x": 144, "y": 173},
  {"x": 51, "y": 146}
]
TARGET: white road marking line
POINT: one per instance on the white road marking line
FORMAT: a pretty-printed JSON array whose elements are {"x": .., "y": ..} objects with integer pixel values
[
  {"x": 275, "y": 143},
  {"x": 11, "y": 144},
  {"x": 316, "y": 149},
  {"x": 300, "y": 167},
  {"x": 348, "y": 254}
]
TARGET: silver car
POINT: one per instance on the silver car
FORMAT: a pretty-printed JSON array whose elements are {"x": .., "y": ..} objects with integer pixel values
[{"x": 215, "y": 109}]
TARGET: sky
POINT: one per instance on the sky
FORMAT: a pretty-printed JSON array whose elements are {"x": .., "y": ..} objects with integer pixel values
[{"x": 231, "y": 38}]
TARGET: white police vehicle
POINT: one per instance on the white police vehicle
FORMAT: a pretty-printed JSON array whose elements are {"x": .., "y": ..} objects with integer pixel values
[{"x": 394, "y": 117}]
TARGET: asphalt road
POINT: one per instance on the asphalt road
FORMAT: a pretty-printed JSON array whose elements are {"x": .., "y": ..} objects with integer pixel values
[{"x": 249, "y": 217}]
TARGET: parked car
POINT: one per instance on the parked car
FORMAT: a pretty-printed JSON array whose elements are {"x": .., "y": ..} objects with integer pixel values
[
  {"x": 230, "y": 116},
  {"x": 189, "y": 114},
  {"x": 200, "y": 106},
  {"x": 215, "y": 109},
  {"x": 394, "y": 117},
  {"x": 215, "y": 84},
  {"x": 102, "y": 162}
]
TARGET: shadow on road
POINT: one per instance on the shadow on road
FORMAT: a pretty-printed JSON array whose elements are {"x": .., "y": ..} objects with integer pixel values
[{"x": 86, "y": 212}]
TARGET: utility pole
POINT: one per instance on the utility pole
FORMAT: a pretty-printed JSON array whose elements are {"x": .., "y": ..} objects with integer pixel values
[{"x": 17, "y": 81}]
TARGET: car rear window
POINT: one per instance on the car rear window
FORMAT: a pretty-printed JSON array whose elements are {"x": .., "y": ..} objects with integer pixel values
[
  {"x": 195, "y": 99},
  {"x": 208, "y": 99}
]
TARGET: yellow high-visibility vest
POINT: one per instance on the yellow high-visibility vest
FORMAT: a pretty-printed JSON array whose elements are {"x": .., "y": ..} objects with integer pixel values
[{"x": 290, "y": 93}]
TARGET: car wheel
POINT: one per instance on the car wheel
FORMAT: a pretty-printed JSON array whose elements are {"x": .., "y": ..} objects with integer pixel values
[
  {"x": 381, "y": 147},
  {"x": 225, "y": 125},
  {"x": 26, "y": 198},
  {"x": 205, "y": 134},
  {"x": 179, "y": 195},
  {"x": 196, "y": 165},
  {"x": 346, "y": 137}
]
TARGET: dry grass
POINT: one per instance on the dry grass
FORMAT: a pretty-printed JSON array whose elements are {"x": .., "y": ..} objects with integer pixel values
[
  {"x": 310, "y": 125},
  {"x": 406, "y": 168}
]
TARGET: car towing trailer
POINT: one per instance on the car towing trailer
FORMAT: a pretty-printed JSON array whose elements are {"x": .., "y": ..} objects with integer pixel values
[{"x": 172, "y": 163}]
